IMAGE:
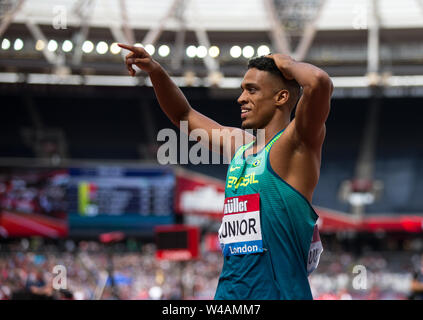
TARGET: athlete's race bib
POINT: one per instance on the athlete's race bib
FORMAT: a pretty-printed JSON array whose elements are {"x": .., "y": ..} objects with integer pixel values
[
  {"x": 315, "y": 251},
  {"x": 240, "y": 232}
]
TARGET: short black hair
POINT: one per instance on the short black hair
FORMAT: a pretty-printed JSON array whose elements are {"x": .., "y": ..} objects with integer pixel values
[
  {"x": 268, "y": 64},
  {"x": 265, "y": 64}
]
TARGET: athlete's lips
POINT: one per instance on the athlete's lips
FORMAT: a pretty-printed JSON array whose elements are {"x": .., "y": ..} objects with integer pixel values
[{"x": 244, "y": 112}]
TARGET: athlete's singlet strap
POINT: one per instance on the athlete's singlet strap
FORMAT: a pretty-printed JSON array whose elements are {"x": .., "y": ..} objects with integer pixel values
[
  {"x": 242, "y": 149},
  {"x": 275, "y": 138}
]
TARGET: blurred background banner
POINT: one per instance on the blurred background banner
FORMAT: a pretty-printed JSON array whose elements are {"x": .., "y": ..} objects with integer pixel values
[
  {"x": 198, "y": 194},
  {"x": 80, "y": 183}
]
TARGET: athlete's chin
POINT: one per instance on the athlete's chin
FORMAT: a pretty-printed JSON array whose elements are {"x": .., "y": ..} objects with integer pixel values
[{"x": 246, "y": 125}]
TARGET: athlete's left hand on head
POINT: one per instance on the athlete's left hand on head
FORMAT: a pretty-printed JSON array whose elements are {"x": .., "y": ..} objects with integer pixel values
[{"x": 283, "y": 62}]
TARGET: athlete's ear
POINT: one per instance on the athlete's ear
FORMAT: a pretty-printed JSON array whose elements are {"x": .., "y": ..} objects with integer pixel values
[{"x": 281, "y": 97}]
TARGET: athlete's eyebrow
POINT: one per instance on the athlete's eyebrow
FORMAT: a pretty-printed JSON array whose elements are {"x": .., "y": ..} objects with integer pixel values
[{"x": 249, "y": 85}]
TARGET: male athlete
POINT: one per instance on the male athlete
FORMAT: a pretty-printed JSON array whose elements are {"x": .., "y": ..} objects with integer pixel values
[{"x": 268, "y": 235}]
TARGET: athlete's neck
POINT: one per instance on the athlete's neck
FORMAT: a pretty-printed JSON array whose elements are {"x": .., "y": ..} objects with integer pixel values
[{"x": 270, "y": 131}]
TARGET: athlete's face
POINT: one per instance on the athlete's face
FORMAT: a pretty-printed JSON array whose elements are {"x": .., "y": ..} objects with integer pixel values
[{"x": 257, "y": 99}]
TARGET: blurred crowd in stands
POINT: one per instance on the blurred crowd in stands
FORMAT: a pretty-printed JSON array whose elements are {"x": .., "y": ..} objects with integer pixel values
[
  {"x": 27, "y": 272},
  {"x": 40, "y": 192},
  {"x": 372, "y": 276}
]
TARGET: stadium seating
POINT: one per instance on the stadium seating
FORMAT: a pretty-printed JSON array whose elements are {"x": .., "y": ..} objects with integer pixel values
[
  {"x": 399, "y": 160},
  {"x": 13, "y": 118}
]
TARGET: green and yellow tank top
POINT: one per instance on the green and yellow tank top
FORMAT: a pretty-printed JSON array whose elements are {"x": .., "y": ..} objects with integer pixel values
[{"x": 268, "y": 234}]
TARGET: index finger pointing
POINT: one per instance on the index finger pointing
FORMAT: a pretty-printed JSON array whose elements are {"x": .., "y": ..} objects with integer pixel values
[{"x": 127, "y": 47}]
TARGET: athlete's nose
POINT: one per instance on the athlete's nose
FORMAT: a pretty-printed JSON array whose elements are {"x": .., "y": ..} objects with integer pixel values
[{"x": 242, "y": 98}]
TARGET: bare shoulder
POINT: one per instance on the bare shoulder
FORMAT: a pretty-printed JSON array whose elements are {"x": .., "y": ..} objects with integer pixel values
[{"x": 296, "y": 162}]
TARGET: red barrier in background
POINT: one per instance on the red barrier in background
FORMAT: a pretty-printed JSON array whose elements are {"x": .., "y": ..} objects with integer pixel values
[
  {"x": 177, "y": 242},
  {"x": 15, "y": 224}
]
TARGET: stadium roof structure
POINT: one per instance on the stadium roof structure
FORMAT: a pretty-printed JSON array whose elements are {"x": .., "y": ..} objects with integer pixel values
[
  {"x": 222, "y": 15},
  {"x": 359, "y": 43}
]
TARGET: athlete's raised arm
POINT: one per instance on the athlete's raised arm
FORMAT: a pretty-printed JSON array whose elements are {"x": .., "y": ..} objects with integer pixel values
[
  {"x": 314, "y": 104},
  {"x": 173, "y": 102}
]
